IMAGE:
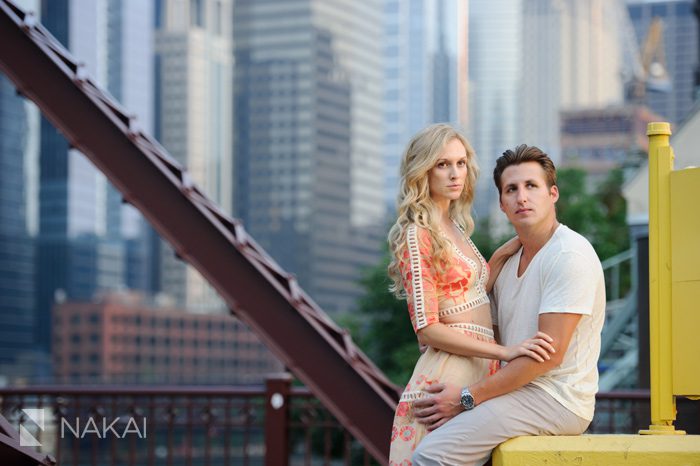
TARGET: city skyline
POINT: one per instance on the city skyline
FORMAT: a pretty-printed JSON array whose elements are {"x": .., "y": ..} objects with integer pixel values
[{"x": 323, "y": 103}]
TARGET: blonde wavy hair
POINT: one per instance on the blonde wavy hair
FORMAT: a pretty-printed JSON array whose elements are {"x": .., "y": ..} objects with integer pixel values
[{"x": 415, "y": 205}]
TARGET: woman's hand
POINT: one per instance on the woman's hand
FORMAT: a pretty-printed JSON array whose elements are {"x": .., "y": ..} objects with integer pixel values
[
  {"x": 508, "y": 248},
  {"x": 538, "y": 348},
  {"x": 499, "y": 257}
]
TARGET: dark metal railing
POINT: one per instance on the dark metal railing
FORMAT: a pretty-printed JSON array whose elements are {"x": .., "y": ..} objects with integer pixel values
[
  {"x": 186, "y": 425},
  {"x": 275, "y": 424},
  {"x": 155, "y": 425},
  {"x": 627, "y": 412},
  {"x": 621, "y": 412}
]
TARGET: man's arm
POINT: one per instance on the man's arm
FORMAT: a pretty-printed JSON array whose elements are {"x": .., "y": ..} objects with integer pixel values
[
  {"x": 522, "y": 371},
  {"x": 444, "y": 404}
]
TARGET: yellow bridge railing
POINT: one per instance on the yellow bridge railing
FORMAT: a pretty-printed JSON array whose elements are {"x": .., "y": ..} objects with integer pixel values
[{"x": 674, "y": 281}]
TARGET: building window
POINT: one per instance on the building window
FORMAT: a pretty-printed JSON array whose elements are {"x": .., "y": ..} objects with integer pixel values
[
  {"x": 197, "y": 13},
  {"x": 159, "y": 15},
  {"x": 219, "y": 19}
]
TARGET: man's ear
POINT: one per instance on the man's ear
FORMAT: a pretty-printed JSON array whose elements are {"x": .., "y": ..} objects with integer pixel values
[
  {"x": 554, "y": 192},
  {"x": 500, "y": 203}
]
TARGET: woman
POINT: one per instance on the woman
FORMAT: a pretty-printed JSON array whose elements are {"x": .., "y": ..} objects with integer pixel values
[{"x": 443, "y": 277}]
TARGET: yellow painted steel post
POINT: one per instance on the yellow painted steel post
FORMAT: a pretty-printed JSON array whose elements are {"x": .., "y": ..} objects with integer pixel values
[{"x": 663, "y": 404}]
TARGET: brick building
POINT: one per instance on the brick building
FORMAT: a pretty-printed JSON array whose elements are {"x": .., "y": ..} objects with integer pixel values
[
  {"x": 599, "y": 140},
  {"x": 120, "y": 338}
]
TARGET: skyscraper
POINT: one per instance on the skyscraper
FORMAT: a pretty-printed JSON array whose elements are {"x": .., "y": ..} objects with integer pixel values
[
  {"x": 680, "y": 49},
  {"x": 422, "y": 52},
  {"x": 194, "y": 119},
  {"x": 81, "y": 220},
  {"x": 130, "y": 80},
  {"x": 495, "y": 67},
  {"x": 308, "y": 132},
  {"x": 16, "y": 246},
  {"x": 68, "y": 210},
  {"x": 571, "y": 59}
]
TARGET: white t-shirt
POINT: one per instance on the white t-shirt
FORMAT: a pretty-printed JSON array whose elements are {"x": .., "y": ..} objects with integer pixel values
[{"x": 565, "y": 276}]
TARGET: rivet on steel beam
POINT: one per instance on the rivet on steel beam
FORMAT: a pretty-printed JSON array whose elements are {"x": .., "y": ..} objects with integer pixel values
[
  {"x": 293, "y": 286},
  {"x": 233, "y": 307},
  {"x": 29, "y": 21},
  {"x": 81, "y": 73},
  {"x": 134, "y": 128},
  {"x": 187, "y": 183}
]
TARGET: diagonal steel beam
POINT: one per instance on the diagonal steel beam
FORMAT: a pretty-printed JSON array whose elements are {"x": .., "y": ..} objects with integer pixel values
[{"x": 255, "y": 288}]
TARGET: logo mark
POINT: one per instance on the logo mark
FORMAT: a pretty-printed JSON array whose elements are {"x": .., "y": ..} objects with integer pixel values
[
  {"x": 91, "y": 427},
  {"x": 25, "y": 438}
]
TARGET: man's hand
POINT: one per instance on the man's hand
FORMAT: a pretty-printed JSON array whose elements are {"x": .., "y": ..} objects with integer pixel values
[{"x": 439, "y": 407}]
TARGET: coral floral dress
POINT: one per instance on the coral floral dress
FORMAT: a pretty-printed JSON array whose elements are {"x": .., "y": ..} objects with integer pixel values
[{"x": 432, "y": 297}]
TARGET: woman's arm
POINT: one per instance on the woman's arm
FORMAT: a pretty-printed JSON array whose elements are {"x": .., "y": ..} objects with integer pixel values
[
  {"x": 441, "y": 337},
  {"x": 499, "y": 258},
  {"x": 420, "y": 282}
]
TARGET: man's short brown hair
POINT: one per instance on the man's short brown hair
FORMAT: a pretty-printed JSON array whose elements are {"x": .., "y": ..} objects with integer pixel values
[{"x": 524, "y": 153}]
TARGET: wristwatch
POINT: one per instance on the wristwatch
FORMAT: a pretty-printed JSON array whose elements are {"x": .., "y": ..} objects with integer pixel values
[{"x": 466, "y": 400}]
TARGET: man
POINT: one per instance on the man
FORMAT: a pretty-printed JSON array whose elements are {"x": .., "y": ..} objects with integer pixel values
[{"x": 554, "y": 284}]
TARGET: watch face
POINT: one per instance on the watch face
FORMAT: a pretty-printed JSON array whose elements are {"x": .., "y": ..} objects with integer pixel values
[{"x": 467, "y": 400}]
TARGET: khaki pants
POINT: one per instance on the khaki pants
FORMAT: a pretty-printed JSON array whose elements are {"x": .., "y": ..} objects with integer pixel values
[{"x": 469, "y": 437}]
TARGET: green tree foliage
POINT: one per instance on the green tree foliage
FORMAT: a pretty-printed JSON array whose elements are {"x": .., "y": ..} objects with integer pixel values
[
  {"x": 487, "y": 242},
  {"x": 382, "y": 328},
  {"x": 598, "y": 214}
]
